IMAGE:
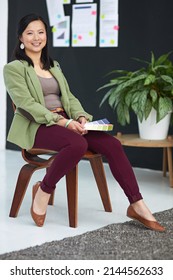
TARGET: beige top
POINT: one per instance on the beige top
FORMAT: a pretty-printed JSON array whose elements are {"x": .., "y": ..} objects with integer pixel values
[{"x": 51, "y": 91}]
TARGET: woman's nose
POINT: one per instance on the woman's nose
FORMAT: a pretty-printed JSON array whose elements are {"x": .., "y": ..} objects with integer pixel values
[{"x": 36, "y": 36}]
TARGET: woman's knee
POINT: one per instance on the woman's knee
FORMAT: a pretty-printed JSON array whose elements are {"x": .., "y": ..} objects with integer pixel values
[
  {"x": 112, "y": 147},
  {"x": 80, "y": 145},
  {"x": 112, "y": 143},
  {"x": 117, "y": 143}
]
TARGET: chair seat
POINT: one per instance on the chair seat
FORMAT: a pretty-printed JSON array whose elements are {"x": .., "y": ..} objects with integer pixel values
[
  {"x": 41, "y": 151},
  {"x": 35, "y": 151}
]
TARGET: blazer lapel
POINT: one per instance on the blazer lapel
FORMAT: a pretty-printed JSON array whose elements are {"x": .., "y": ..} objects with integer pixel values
[{"x": 35, "y": 83}]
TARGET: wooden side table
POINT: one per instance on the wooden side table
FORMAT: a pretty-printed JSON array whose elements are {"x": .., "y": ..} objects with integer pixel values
[{"x": 133, "y": 140}]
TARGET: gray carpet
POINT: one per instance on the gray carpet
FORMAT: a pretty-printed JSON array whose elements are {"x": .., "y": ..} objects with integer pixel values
[{"x": 122, "y": 241}]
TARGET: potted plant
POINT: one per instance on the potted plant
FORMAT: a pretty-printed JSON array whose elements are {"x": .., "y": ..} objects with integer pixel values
[{"x": 146, "y": 91}]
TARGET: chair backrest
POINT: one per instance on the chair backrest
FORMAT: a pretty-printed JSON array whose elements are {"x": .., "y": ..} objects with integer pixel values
[
  {"x": 31, "y": 156},
  {"x": 14, "y": 106}
]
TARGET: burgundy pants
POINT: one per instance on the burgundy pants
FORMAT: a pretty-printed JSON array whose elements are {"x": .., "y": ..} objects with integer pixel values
[{"x": 71, "y": 147}]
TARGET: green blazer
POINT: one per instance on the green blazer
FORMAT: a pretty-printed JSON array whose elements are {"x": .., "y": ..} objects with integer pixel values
[{"x": 25, "y": 90}]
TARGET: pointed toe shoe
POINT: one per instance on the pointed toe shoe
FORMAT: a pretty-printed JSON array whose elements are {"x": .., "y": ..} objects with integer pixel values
[
  {"x": 38, "y": 219},
  {"x": 153, "y": 225}
]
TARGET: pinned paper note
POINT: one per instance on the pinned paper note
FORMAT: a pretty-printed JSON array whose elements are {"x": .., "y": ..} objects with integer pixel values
[
  {"x": 55, "y": 11},
  {"x": 61, "y": 33},
  {"x": 109, "y": 27},
  {"x": 84, "y": 25}
]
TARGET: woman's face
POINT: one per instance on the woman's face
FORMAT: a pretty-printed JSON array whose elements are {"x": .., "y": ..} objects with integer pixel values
[{"x": 34, "y": 37}]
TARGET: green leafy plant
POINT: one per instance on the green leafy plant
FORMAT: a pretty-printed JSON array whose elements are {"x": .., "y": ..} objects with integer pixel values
[{"x": 148, "y": 87}]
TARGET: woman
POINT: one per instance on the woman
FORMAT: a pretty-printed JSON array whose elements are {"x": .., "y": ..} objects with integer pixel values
[{"x": 51, "y": 117}]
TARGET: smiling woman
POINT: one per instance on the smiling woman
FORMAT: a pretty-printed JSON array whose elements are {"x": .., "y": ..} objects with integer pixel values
[{"x": 61, "y": 129}]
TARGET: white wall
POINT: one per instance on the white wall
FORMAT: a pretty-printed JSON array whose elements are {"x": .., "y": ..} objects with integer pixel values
[{"x": 3, "y": 60}]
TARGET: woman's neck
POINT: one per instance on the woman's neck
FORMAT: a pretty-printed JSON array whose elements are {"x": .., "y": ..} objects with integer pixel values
[
  {"x": 36, "y": 58},
  {"x": 37, "y": 62},
  {"x": 40, "y": 71},
  {"x": 38, "y": 66}
]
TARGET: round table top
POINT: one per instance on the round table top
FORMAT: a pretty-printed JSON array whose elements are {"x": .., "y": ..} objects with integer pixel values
[{"x": 133, "y": 140}]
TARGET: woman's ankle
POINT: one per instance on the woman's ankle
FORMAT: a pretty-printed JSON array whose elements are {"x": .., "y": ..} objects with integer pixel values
[
  {"x": 141, "y": 208},
  {"x": 40, "y": 202}
]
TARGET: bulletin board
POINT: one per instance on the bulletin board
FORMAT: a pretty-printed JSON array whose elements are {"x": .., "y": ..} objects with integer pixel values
[{"x": 143, "y": 26}]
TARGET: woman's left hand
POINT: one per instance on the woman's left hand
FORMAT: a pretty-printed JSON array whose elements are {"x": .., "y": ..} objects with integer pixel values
[{"x": 83, "y": 121}]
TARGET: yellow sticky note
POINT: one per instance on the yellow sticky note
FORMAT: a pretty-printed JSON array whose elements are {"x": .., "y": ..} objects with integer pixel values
[
  {"x": 112, "y": 42},
  {"x": 54, "y": 29},
  {"x": 74, "y": 41}
]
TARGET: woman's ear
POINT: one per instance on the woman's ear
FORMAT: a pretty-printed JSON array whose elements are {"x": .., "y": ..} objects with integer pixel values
[{"x": 20, "y": 38}]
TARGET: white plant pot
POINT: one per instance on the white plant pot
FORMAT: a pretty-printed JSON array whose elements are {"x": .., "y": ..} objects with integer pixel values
[{"x": 151, "y": 130}]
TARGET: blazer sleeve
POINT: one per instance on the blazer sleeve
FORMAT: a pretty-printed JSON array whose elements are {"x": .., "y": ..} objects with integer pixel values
[{"x": 26, "y": 104}]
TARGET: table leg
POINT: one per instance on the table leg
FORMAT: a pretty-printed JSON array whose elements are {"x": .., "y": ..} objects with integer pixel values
[
  {"x": 169, "y": 156},
  {"x": 164, "y": 164}
]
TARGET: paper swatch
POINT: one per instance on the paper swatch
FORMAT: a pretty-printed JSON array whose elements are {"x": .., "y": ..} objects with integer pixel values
[{"x": 102, "y": 125}]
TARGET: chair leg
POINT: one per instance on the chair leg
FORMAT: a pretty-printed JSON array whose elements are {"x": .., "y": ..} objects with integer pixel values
[
  {"x": 51, "y": 199},
  {"x": 99, "y": 173},
  {"x": 21, "y": 186},
  {"x": 72, "y": 196}
]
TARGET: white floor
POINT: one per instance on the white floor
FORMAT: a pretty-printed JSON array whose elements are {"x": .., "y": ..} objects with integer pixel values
[{"x": 21, "y": 232}]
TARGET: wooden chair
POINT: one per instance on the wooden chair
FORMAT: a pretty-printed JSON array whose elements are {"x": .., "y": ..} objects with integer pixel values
[{"x": 35, "y": 162}]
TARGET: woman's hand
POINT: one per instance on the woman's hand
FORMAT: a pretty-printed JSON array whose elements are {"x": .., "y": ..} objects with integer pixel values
[
  {"x": 62, "y": 122},
  {"x": 77, "y": 127},
  {"x": 82, "y": 120},
  {"x": 73, "y": 125}
]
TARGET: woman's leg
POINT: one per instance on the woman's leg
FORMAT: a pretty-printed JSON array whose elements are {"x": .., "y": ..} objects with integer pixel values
[
  {"x": 121, "y": 169},
  {"x": 70, "y": 147}
]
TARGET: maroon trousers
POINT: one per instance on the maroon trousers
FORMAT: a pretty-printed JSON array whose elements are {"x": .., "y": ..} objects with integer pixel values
[{"x": 71, "y": 147}]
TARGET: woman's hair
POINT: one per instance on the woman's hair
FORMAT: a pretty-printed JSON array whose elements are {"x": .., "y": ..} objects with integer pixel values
[{"x": 20, "y": 53}]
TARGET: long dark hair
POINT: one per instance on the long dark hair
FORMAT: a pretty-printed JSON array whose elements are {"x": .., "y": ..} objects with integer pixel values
[{"x": 20, "y": 54}]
